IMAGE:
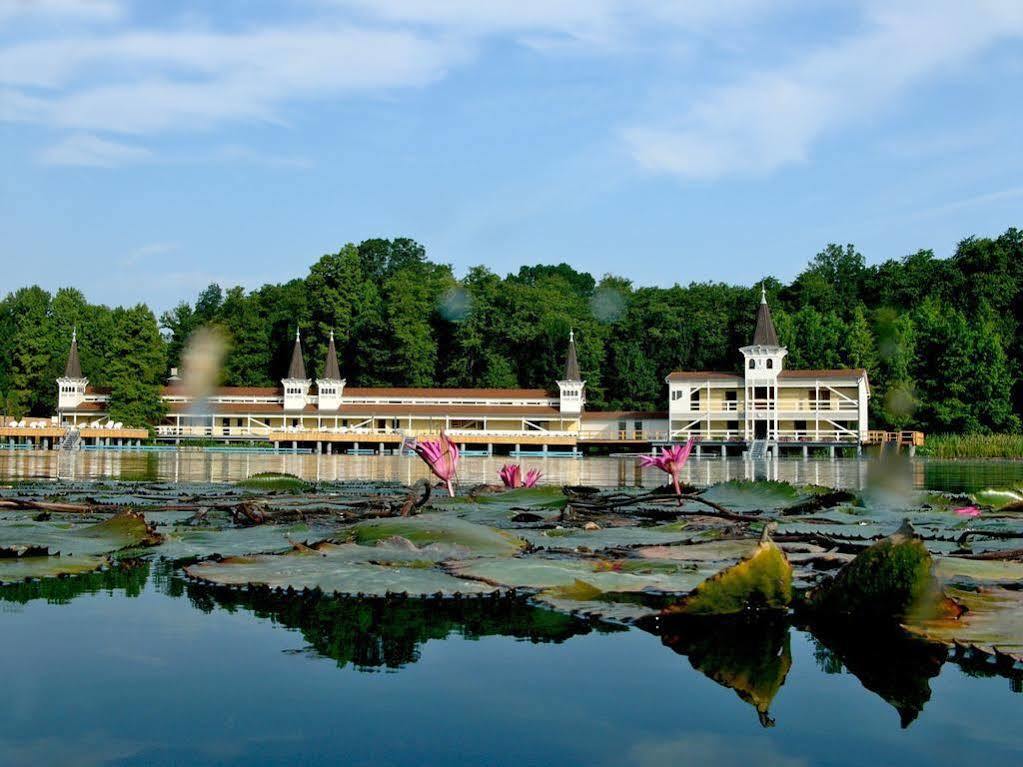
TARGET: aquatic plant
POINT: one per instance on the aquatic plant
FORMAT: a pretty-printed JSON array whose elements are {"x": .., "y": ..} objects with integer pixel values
[
  {"x": 968, "y": 511},
  {"x": 670, "y": 461},
  {"x": 511, "y": 476},
  {"x": 441, "y": 455}
]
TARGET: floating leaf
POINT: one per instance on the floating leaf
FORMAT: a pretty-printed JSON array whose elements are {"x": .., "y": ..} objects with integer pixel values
[
  {"x": 14, "y": 569},
  {"x": 126, "y": 530},
  {"x": 992, "y": 621},
  {"x": 763, "y": 581},
  {"x": 438, "y": 528},
  {"x": 338, "y": 569}
]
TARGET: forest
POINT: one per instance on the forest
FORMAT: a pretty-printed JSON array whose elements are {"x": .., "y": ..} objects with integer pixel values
[{"x": 941, "y": 339}]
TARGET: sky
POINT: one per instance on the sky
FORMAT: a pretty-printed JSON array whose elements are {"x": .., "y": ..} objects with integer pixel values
[{"x": 148, "y": 148}]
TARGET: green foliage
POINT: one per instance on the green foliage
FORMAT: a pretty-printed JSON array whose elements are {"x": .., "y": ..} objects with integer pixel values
[{"x": 941, "y": 340}]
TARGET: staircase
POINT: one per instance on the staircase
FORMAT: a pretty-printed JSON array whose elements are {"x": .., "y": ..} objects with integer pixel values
[
  {"x": 70, "y": 440},
  {"x": 758, "y": 449}
]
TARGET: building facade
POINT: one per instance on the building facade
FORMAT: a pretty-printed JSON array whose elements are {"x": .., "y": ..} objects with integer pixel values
[{"x": 767, "y": 403}]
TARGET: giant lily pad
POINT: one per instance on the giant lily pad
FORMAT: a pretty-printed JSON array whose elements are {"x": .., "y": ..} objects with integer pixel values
[
  {"x": 439, "y": 528},
  {"x": 125, "y": 530},
  {"x": 762, "y": 581},
  {"x": 347, "y": 569},
  {"x": 886, "y": 581},
  {"x": 992, "y": 621},
  {"x": 14, "y": 569}
]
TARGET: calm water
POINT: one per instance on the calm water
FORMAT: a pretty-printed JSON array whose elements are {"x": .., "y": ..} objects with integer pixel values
[
  {"x": 196, "y": 466},
  {"x": 139, "y": 667},
  {"x": 148, "y": 670}
]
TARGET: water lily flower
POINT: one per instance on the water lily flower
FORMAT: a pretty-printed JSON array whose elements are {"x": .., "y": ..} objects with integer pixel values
[
  {"x": 442, "y": 458},
  {"x": 968, "y": 511},
  {"x": 670, "y": 461},
  {"x": 511, "y": 476}
]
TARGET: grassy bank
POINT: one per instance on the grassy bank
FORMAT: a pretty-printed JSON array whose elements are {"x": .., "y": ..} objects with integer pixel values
[{"x": 973, "y": 446}]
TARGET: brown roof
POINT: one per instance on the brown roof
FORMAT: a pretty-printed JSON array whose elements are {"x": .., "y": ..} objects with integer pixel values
[
  {"x": 73, "y": 368},
  {"x": 855, "y": 373},
  {"x": 596, "y": 415},
  {"x": 764, "y": 334},
  {"x": 348, "y": 410},
  {"x": 228, "y": 391},
  {"x": 97, "y": 390},
  {"x": 701, "y": 375},
  {"x": 387, "y": 391},
  {"x": 88, "y": 407}
]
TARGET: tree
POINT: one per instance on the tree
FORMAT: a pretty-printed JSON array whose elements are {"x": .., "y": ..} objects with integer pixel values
[{"x": 137, "y": 368}]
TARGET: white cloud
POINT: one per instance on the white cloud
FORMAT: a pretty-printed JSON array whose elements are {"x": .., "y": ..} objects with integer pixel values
[
  {"x": 148, "y": 251},
  {"x": 771, "y": 119},
  {"x": 183, "y": 81},
  {"x": 86, "y": 10},
  {"x": 84, "y": 149}
]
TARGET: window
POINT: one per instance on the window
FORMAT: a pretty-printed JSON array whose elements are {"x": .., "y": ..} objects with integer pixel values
[
  {"x": 770, "y": 364},
  {"x": 676, "y": 395},
  {"x": 752, "y": 364},
  {"x": 694, "y": 399}
]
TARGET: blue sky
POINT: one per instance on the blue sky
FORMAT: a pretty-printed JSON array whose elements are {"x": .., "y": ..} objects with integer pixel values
[{"x": 149, "y": 148}]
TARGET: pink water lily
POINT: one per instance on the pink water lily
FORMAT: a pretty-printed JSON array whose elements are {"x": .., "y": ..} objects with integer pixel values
[
  {"x": 670, "y": 461},
  {"x": 968, "y": 511},
  {"x": 511, "y": 476},
  {"x": 442, "y": 458}
]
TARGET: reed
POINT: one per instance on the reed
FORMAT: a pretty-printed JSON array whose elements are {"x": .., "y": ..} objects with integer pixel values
[{"x": 973, "y": 446}]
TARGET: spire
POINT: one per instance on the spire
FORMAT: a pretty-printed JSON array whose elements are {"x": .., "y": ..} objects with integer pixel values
[
  {"x": 765, "y": 334},
  {"x": 296, "y": 369},
  {"x": 331, "y": 370},
  {"x": 73, "y": 368},
  {"x": 571, "y": 362}
]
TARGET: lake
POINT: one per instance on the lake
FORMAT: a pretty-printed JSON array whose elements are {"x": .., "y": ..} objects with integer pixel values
[{"x": 138, "y": 666}]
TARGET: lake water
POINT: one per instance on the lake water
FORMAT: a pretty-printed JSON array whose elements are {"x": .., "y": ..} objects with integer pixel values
[
  {"x": 199, "y": 466},
  {"x": 138, "y": 666}
]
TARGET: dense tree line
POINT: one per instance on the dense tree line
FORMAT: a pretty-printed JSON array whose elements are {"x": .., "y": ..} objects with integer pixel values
[{"x": 942, "y": 339}]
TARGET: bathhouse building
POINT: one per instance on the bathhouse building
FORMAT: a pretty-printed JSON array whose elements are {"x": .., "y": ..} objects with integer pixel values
[{"x": 764, "y": 405}]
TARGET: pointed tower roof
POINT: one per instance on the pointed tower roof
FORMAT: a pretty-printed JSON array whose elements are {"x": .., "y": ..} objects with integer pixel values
[
  {"x": 331, "y": 370},
  {"x": 73, "y": 368},
  {"x": 296, "y": 369},
  {"x": 765, "y": 334},
  {"x": 571, "y": 361}
]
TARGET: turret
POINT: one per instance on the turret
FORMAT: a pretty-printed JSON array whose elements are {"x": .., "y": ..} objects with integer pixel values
[
  {"x": 572, "y": 387},
  {"x": 331, "y": 385},
  {"x": 296, "y": 385},
  {"x": 764, "y": 357},
  {"x": 71, "y": 386}
]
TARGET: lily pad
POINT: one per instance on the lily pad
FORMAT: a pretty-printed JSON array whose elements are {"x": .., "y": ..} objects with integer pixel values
[
  {"x": 345, "y": 569},
  {"x": 762, "y": 581},
  {"x": 125, "y": 530},
  {"x": 992, "y": 621},
  {"x": 439, "y": 528},
  {"x": 14, "y": 569}
]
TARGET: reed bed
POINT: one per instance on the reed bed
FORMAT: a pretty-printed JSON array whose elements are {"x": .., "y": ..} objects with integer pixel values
[{"x": 973, "y": 446}]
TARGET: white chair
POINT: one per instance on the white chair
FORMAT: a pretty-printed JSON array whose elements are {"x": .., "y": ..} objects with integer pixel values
[{"x": 118, "y": 425}]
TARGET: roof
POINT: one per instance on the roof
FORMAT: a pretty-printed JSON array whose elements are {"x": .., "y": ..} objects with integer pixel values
[
  {"x": 441, "y": 392},
  {"x": 227, "y": 391},
  {"x": 350, "y": 410},
  {"x": 296, "y": 370},
  {"x": 73, "y": 368},
  {"x": 765, "y": 334},
  {"x": 331, "y": 370},
  {"x": 702, "y": 375},
  {"x": 571, "y": 361},
  {"x": 87, "y": 407},
  {"x": 851, "y": 373}
]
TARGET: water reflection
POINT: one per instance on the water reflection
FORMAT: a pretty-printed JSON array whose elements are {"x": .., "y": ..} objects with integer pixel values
[
  {"x": 199, "y": 466},
  {"x": 749, "y": 655},
  {"x": 885, "y": 660}
]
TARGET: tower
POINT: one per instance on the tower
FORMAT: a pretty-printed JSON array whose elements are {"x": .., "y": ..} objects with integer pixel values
[
  {"x": 763, "y": 361},
  {"x": 71, "y": 386},
  {"x": 572, "y": 387},
  {"x": 331, "y": 386},
  {"x": 296, "y": 385}
]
